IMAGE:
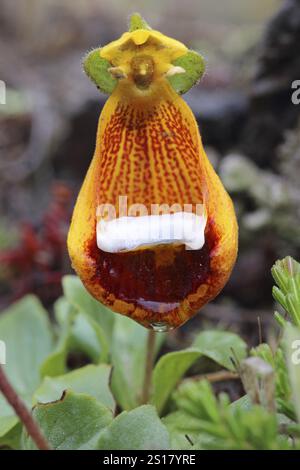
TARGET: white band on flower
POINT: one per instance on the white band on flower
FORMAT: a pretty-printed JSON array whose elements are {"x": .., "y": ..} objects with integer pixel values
[{"x": 133, "y": 233}]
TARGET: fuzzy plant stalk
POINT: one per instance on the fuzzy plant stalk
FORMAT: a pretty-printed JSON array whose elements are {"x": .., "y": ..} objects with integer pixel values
[{"x": 22, "y": 412}]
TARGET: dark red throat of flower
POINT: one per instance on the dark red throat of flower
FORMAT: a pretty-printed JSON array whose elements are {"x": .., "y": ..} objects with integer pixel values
[{"x": 158, "y": 279}]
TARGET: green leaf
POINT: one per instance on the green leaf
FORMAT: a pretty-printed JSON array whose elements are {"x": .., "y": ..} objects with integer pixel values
[
  {"x": 97, "y": 69},
  {"x": 282, "y": 383},
  {"x": 220, "y": 346},
  {"x": 77, "y": 332},
  {"x": 196, "y": 398},
  {"x": 252, "y": 429},
  {"x": 280, "y": 320},
  {"x": 216, "y": 345},
  {"x": 12, "y": 438},
  {"x": 87, "y": 336},
  {"x": 8, "y": 419},
  {"x": 25, "y": 329},
  {"x": 129, "y": 344},
  {"x": 283, "y": 270},
  {"x": 292, "y": 349},
  {"x": 135, "y": 430},
  {"x": 55, "y": 362},
  {"x": 91, "y": 380},
  {"x": 197, "y": 409},
  {"x": 72, "y": 423},
  {"x": 62, "y": 310},
  {"x": 194, "y": 66},
  {"x": 286, "y": 273},
  {"x": 83, "y": 302},
  {"x": 167, "y": 372}
]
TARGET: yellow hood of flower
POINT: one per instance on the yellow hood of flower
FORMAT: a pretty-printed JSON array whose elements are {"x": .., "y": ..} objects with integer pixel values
[
  {"x": 142, "y": 57},
  {"x": 163, "y": 49}
]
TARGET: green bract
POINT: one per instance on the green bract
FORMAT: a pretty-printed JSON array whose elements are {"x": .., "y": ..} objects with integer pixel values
[
  {"x": 96, "y": 69},
  {"x": 194, "y": 66}
]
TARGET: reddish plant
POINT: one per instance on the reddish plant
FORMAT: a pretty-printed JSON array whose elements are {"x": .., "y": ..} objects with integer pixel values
[{"x": 38, "y": 262}]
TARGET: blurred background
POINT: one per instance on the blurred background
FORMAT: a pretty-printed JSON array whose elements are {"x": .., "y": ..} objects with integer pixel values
[{"x": 250, "y": 128}]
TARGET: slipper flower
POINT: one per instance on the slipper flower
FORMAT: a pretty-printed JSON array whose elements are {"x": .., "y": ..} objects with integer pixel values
[{"x": 154, "y": 233}]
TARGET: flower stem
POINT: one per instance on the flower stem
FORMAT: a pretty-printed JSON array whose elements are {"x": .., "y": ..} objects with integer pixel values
[
  {"x": 22, "y": 412},
  {"x": 148, "y": 367}
]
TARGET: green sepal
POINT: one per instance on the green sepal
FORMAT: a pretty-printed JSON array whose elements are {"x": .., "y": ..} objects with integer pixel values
[
  {"x": 194, "y": 66},
  {"x": 96, "y": 69},
  {"x": 137, "y": 22}
]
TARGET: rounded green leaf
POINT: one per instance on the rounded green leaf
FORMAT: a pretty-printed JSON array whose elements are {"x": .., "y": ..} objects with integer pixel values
[
  {"x": 26, "y": 331},
  {"x": 96, "y": 69},
  {"x": 72, "y": 423},
  {"x": 137, "y": 429},
  {"x": 194, "y": 66},
  {"x": 92, "y": 380},
  {"x": 167, "y": 373},
  {"x": 128, "y": 351},
  {"x": 82, "y": 301},
  {"x": 221, "y": 346}
]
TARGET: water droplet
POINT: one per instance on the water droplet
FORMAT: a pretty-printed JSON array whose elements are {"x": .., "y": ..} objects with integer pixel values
[{"x": 161, "y": 327}]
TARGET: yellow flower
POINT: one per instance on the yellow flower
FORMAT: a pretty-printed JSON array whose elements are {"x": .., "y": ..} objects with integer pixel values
[{"x": 149, "y": 153}]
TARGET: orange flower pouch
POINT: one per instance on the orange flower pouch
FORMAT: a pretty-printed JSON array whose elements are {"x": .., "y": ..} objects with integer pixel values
[{"x": 154, "y": 233}]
